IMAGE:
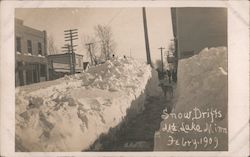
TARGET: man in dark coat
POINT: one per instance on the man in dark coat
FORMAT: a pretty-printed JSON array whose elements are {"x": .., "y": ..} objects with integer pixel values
[{"x": 169, "y": 75}]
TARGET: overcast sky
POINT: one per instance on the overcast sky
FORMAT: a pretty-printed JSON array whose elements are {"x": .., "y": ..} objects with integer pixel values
[{"x": 126, "y": 24}]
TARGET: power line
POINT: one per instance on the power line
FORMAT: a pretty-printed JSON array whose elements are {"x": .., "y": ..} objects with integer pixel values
[
  {"x": 108, "y": 24},
  {"x": 112, "y": 19}
]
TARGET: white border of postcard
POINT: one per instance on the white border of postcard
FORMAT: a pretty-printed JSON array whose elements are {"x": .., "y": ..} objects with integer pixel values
[{"x": 238, "y": 59}]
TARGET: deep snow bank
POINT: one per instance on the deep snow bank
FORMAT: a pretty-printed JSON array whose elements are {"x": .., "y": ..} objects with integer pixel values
[
  {"x": 199, "y": 120},
  {"x": 70, "y": 113}
]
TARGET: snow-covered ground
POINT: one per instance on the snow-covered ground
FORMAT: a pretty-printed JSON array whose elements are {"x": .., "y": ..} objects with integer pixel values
[
  {"x": 199, "y": 114},
  {"x": 70, "y": 113}
]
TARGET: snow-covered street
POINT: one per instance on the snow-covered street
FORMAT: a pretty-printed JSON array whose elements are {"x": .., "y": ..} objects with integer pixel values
[{"x": 119, "y": 105}]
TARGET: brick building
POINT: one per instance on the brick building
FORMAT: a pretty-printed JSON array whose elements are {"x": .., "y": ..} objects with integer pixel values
[
  {"x": 31, "y": 64},
  {"x": 197, "y": 28}
]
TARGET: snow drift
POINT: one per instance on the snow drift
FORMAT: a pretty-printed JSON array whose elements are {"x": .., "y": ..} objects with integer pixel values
[
  {"x": 70, "y": 113},
  {"x": 199, "y": 112}
]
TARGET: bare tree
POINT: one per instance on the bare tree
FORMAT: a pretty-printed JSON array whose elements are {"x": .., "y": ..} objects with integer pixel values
[
  {"x": 51, "y": 45},
  {"x": 104, "y": 33}
]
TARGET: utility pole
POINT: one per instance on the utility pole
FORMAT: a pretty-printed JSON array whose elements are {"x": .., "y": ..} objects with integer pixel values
[
  {"x": 161, "y": 48},
  {"x": 91, "y": 57},
  {"x": 70, "y": 36},
  {"x": 66, "y": 49},
  {"x": 146, "y": 36}
]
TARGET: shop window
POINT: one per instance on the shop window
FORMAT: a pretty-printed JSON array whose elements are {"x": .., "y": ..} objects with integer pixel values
[
  {"x": 20, "y": 73},
  {"x": 42, "y": 70},
  {"x": 29, "y": 78}
]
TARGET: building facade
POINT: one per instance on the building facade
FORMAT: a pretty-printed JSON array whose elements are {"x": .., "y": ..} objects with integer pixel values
[
  {"x": 31, "y": 65},
  {"x": 197, "y": 28},
  {"x": 65, "y": 64}
]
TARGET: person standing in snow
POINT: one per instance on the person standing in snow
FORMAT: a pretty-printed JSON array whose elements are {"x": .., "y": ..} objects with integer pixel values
[
  {"x": 169, "y": 75},
  {"x": 175, "y": 75},
  {"x": 159, "y": 73}
]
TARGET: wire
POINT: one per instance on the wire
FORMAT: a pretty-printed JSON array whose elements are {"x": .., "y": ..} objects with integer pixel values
[{"x": 112, "y": 19}]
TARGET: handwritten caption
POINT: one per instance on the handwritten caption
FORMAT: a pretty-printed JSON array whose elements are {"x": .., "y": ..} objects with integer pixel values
[{"x": 196, "y": 128}]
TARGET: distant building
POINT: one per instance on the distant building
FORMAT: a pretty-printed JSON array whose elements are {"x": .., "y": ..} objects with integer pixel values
[
  {"x": 198, "y": 28},
  {"x": 62, "y": 64},
  {"x": 30, "y": 53}
]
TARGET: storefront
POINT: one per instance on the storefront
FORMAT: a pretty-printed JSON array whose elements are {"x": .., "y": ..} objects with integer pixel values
[{"x": 28, "y": 73}]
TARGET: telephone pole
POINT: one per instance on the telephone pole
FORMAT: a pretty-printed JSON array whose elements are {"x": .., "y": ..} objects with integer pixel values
[
  {"x": 66, "y": 48},
  {"x": 91, "y": 57},
  {"x": 161, "y": 48},
  {"x": 146, "y": 36},
  {"x": 71, "y": 35}
]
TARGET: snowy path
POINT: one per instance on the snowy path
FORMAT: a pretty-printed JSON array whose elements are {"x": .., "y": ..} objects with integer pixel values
[{"x": 137, "y": 134}]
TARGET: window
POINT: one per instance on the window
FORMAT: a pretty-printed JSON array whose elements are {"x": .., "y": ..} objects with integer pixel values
[
  {"x": 18, "y": 44},
  {"x": 42, "y": 70},
  {"x": 29, "y": 45},
  {"x": 39, "y": 48},
  {"x": 29, "y": 76},
  {"x": 80, "y": 63}
]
